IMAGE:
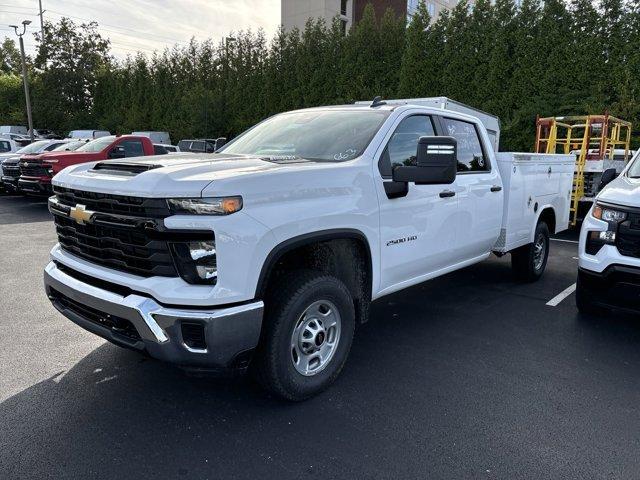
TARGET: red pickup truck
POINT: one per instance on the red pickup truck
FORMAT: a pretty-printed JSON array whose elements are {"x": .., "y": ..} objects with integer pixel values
[{"x": 36, "y": 171}]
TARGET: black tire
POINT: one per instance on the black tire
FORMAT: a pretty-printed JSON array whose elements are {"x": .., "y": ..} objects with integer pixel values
[
  {"x": 523, "y": 259},
  {"x": 273, "y": 365},
  {"x": 584, "y": 302}
]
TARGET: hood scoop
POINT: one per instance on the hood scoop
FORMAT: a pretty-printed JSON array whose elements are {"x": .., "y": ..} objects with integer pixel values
[{"x": 124, "y": 168}]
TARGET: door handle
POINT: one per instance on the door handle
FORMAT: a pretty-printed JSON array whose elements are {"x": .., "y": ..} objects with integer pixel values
[
  {"x": 496, "y": 188},
  {"x": 447, "y": 194}
]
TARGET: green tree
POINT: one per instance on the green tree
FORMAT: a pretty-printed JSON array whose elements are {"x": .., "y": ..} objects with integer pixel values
[
  {"x": 69, "y": 62},
  {"x": 414, "y": 70},
  {"x": 10, "y": 60}
]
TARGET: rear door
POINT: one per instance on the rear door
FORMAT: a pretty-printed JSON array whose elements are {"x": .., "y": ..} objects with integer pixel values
[
  {"x": 417, "y": 231},
  {"x": 478, "y": 188}
]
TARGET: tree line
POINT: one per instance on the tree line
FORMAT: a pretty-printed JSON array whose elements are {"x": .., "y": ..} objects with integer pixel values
[{"x": 515, "y": 61}]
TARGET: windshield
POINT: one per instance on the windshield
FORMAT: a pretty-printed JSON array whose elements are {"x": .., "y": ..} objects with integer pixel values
[
  {"x": 634, "y": 168},
  {"x": 325, "y": 135},
  {"x": 34, "y": 147},
  {"x": 97, "y": 145},
  {"x": 68, "y": 147}
]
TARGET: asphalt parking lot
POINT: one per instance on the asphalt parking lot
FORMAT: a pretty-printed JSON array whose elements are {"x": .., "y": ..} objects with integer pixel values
[{"x": 468, "y": 376}]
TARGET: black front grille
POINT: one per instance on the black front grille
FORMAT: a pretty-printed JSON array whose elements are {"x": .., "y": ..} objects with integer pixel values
[
  {"x": 628, "y": 237},
  {"x": 11, "y": 171},
  {"x": 117, "y": 325},
  {"x": 132, "y": 250},
  {"x": 118, "y": 204},
  {"x": 33, "y": 170}
]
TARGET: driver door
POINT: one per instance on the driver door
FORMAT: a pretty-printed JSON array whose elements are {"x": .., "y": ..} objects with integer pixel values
[{"x": 418, "y": 230}]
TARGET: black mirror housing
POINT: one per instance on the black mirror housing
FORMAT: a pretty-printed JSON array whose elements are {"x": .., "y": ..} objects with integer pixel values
[
  {"x": 436, "y": 163},
  {"x": 607, "y": 177}
]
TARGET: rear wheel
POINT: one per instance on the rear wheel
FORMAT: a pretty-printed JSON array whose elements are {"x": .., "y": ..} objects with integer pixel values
[
  {"x": 529, "y": 261},
  {"x": 307, "y": 335}
]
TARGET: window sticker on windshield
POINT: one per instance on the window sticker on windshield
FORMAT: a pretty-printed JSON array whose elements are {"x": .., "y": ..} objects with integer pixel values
[{"x": 348, "y": 153}]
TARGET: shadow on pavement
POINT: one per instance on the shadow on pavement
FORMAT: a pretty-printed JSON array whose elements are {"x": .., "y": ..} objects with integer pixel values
[
  {"x": 431, "y": 386},
  {"x": 22, "y": 209}
]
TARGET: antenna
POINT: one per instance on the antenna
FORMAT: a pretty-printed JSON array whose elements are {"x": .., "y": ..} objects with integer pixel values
[{"x": 377, "y": 101}]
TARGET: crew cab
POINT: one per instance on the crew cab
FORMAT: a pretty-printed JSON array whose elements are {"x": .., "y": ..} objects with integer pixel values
[
  {"x": 36, "y": 171},
  {"x": 266, "y": 254},
  {"x": 609, "y": 259}
]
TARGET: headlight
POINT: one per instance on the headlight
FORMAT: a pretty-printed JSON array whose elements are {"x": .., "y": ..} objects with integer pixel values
[
  {"x": 205, "y": 206},
  {"x": 608, "y": 214},
  {"x": 196, "y": 261}
]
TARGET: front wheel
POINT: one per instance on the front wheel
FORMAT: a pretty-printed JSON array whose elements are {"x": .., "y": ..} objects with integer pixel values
[
  {"x": 307, "y": 335},
  {"x": 529, "y": 261}
]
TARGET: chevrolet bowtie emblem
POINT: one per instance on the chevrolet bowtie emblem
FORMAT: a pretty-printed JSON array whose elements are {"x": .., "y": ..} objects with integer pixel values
[{"x": 80, "y": 214}]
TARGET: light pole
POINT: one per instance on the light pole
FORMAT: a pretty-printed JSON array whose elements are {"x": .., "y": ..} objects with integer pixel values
[{"x": 25, "y": 80}]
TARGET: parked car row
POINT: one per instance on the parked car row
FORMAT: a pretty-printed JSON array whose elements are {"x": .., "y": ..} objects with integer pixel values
[{"x": 29, "y": 168}]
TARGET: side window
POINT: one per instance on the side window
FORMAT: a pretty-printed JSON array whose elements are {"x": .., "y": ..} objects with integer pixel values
[
  {"x": 403, "y": 144},
  {"x": 132, "y": 148},
  {"x": 5, "y": 147},
  {"x": 197, "y": 146},
  {"x": 48, "y": 148},
  {"x": 471, "y": 157}
]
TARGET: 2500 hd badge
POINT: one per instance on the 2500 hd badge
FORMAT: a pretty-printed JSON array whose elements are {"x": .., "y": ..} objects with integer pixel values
[{"x": 397, "y": 241}]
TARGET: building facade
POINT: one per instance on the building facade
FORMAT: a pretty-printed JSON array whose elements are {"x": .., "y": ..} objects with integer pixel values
[{"x": 295, "y": 13}]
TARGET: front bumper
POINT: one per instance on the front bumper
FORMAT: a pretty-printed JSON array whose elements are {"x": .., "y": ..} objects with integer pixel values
[
  {"x": 139, "y": 322},
  {"x": 618, "y": 286},
  {"x": 10, "y": 184},
  {"x": 35, "y": 186}
]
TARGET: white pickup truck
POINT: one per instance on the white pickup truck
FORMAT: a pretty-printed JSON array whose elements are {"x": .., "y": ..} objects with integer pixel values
[
  {"x": 609, "y": 262},
  {"x": 270, "y": 251}
]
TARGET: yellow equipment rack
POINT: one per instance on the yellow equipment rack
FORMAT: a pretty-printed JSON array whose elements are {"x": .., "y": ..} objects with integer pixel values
[{"x": 596, "y": 137}]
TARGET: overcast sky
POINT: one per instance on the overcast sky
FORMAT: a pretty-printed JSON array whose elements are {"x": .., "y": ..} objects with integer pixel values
[{"x": 145, "y": 25}]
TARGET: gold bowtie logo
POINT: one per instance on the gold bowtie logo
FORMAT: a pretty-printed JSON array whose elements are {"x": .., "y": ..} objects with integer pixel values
[{"x": 80, "y": 214}]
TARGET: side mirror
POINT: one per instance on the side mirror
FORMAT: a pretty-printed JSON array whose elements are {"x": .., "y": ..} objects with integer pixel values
[
  {"x": 436, "y": 163},
  {"x": 607, "y": 177},
  {"x": 117, "y": 152},
  {"x": 220, "y": 142}
]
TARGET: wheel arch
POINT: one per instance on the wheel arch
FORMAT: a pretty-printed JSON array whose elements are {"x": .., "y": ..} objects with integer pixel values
[
  {"x": 360, "y": 283},
  {"x": 548, "y": 215}
]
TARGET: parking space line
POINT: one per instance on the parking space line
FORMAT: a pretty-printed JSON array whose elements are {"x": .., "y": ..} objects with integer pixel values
[
  {"x": 555, "y": 301},
  {"x": 563, "y": 240}
]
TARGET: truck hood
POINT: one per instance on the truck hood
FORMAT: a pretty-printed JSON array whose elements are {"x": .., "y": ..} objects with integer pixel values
[
  {"x": 168, "y": 176},
  {"x": 623, "y": 191}
]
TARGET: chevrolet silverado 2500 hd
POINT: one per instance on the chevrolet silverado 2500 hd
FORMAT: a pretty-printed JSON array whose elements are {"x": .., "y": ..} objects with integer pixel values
[
  {"x": 271, "y": 250},
  {"x": 609, "y": 261}
]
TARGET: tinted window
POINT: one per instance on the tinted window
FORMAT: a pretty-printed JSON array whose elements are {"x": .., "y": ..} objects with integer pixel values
[
  {"x": 402, "y": 147},
  {"x": 197, "y": 146},
  {"x": 132, "y": 148},
  {"x": 184, "y": 144},
  {"x": 53, "y": 146},
  {"x": 471, "y": 158},
  {"x": 5, "y": 147},
  {"x": 159, "y": 150}
]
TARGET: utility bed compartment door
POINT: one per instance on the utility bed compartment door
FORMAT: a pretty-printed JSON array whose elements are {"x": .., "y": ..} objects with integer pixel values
[{"x": 532, "y": 182}]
